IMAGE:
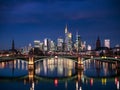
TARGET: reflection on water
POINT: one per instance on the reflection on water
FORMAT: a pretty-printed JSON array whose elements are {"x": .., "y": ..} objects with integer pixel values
[
  {"x": 13, "y": 68},
  {"x": 55, "y": 68},
  {"x": 95, "y": 68},
  {"x": 59, "y": 74}
]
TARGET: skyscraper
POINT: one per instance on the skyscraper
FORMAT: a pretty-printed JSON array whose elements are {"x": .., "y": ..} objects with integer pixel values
[
  {"x": 107, "y": 43},
  {"x": 46, "y": 44},
  {"x": 98, "y": 43},
  {"x": 52, "y": 46},
  {"x": 60, "y": 44},
  {"x": 29, "y": 47},
  {"x": 88, "y": 47},
  {"x": 36, "y": 43},
  {"x": 78, "y": 42},
  {"x": 83, "y": 45},
  {"x": 68, "y": 40}
]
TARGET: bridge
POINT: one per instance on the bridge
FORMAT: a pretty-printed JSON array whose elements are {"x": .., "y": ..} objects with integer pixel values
[
  {"x": 64, "y": 56},
  {"x": 78, "y": 59}
]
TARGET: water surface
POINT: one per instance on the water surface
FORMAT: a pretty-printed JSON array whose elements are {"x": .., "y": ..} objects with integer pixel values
[{"x": 58, "y": 74}]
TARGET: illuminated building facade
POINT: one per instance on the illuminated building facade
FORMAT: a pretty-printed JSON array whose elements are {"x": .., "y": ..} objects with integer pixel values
[
  {"x": 79, "y": 45},
  {"x": 60, "y": 44},
  {"x": 83, "y": 45},
  {"x": 29, "y": 47},
  {"x": 68, "y": 40},
  {"x": 45, "y": 44},
  {"x": 48, "y": 45},
  {"x": 36, "y": 43},
  {"x": 107, "y": 43},
  {"x": 41, "y": 46},
  {"x": 88, "y": 47},
  {"x": 78, "y": 42},
  {"x": 52, "y": 46}
]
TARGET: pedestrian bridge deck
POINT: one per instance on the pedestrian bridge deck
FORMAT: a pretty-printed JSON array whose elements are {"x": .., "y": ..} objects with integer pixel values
[{"x": 75, "y": 58}]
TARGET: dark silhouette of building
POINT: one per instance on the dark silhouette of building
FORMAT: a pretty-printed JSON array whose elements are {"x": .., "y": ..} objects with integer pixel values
[
  {"x": 103, "y": 51},
  {"x": 98, "y": 43},
  {"x": 13, "y": 50},
  {"x": 36, "y": 51},
  {"x": 13, "y": 45}
]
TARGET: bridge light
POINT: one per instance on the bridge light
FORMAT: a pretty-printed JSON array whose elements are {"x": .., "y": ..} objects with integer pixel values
[
  {"x": 116, "y": 57},
  {"x": 91, "y": 56},
  {"x": 102, "y": 57},
  {"x": 7, "y": 55}
]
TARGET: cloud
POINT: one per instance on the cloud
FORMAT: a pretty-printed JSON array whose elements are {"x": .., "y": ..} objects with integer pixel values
[
  {"x": 33, "y": 12},
  {"x": 38, "y": 12}
]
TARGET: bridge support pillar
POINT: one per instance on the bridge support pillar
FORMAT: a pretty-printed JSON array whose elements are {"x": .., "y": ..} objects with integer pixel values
[
  {"x": 31, "y": 60},
  {"x": 79, "y": 64}
]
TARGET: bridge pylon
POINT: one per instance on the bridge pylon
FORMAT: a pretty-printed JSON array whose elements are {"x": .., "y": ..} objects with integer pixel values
[
  {"x": 79, "y": 64},
  {"x": 31, "y": 60}
]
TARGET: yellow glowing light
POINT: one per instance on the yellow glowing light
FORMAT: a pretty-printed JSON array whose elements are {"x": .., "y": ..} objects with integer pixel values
[
  {"x": 104, "y": 80},
  {"x": 69, "y": 35},
  {"x": 103, "y": 57},
  {"x": 31, "y": 60}
]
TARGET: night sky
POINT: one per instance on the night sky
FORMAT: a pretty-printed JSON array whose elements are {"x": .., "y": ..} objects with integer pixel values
[{"x": 29, "y": 20}]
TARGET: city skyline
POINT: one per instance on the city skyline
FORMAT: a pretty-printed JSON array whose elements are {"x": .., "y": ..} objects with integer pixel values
[{"x": 26, "y": 21}]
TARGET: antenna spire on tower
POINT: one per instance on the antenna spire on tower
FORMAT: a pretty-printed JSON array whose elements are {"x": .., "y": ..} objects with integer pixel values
[{"x": 66, "y": 29}]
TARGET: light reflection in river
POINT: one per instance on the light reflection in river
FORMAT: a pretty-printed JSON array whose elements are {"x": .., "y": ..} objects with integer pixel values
[
  {"x": 96, "y": 68},
  {"x": 55, "y": 67},
  {"x": 13, "y": 68},
  {"x": 96, "y": 74}
]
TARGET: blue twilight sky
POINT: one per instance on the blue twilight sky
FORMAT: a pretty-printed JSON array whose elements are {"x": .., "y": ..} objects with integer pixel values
[{"x": 29, "y": 20}]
